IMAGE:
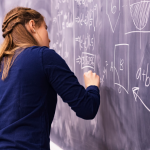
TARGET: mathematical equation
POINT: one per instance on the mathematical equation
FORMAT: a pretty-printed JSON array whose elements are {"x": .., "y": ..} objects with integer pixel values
[
  {"x": 86, "y": 60},
  {"x": 84, "y": 2},
  {"x": 59, "y": 2},
  {"x": 142, "y": 75},
  {"x": 63, "y": 20},
  {"x": 119, "y": 67},
  {"x": 88, "y": 19},
  {"x": 86, "y": 42}
]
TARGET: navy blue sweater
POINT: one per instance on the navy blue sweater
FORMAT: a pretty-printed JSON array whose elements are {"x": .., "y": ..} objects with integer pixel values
[{"x": 28, "y": 98}]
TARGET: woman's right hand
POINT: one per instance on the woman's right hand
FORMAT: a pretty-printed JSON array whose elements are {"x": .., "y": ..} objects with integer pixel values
[{"x": 91, "y": 78}]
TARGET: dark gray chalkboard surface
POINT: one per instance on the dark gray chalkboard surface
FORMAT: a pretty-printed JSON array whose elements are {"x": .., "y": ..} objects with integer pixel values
[{"x": 111, "y": 38}]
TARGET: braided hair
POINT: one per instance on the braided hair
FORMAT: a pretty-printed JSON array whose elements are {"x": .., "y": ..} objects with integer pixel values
[{"x": 16, "y": 35}]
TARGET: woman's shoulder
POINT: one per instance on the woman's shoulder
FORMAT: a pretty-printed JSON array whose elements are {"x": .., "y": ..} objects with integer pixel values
[
  {"x": 50, "y": 56},
  {"x": 47, "y": 55},
  {"x": 39, "y": 50}
]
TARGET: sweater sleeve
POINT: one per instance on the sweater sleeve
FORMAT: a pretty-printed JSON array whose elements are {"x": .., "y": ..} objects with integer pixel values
[{"x": 85, "y": 102}]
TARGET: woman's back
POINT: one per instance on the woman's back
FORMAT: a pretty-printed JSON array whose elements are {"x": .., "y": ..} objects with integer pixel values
[{"x": 24, "y": 97}]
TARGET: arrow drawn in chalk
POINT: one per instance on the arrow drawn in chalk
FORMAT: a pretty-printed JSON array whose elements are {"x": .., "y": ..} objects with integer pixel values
[
  {"x": 135, "y": 91},
  {"x": 79, "y": 60}
]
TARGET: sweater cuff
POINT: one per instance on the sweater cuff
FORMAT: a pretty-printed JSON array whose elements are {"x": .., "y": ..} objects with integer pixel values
[{"x": 92, "y": 87}]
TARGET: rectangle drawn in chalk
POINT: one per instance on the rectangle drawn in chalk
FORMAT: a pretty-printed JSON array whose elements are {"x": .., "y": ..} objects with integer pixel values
[
  {"x": 86, "y": 60},
  {"x": 121, "y": 67}
]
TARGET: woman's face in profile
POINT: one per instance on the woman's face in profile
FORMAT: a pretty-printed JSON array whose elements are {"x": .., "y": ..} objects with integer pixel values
[{"x": 43, "y": 38}]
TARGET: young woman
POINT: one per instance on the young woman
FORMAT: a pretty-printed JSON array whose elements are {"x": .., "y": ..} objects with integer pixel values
[{"x": 31, "y": 77}]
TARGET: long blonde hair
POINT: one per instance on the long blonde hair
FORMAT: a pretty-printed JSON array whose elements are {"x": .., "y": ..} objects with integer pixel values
[{"x": 16, "y": 35}]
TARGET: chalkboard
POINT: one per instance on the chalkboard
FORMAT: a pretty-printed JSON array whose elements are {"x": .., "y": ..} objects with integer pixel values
[{"x": 111, "y": 38}]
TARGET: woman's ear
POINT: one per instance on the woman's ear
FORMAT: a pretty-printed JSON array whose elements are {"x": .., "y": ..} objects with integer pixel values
[{"x": 31, "y": 26}]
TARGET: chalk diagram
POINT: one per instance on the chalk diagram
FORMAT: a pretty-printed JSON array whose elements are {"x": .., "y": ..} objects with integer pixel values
[
  {"x": 135, "y": 91},
  {"x": 86, "y": 60},
  {"x": 113, "y": 12},
  {"x": 140, "y": 13},
  {"x": 121, "y": 67},
  {"x": 140, "y": 10}
]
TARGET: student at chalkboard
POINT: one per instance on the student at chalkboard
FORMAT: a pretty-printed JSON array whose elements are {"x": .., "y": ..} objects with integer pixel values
[{"x": 31, "y": 76}]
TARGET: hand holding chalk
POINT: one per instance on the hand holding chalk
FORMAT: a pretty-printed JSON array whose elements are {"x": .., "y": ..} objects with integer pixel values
[{"x": 91, "y": 78}]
